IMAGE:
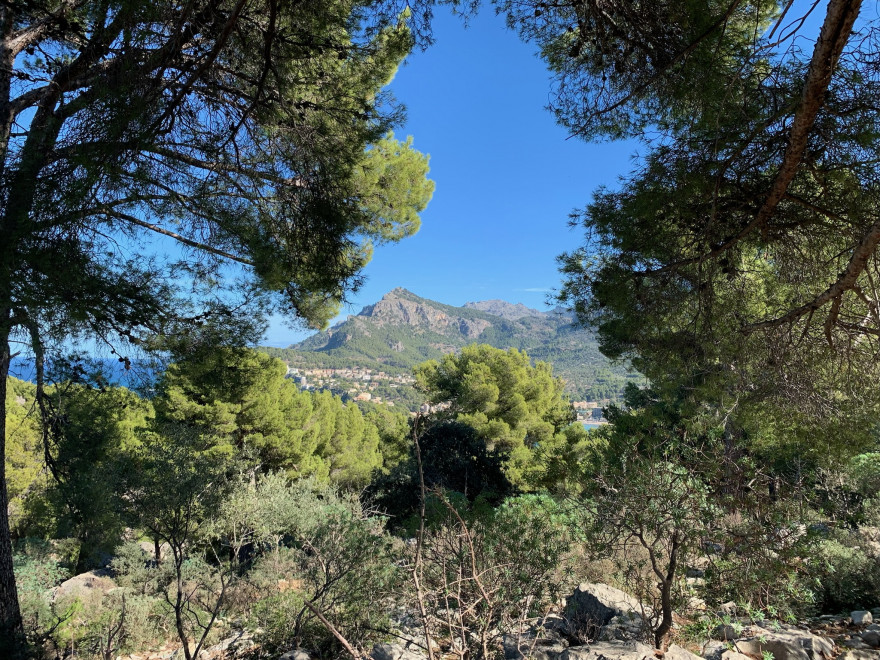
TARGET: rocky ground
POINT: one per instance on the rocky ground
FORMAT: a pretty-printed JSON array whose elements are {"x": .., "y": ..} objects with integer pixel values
[{"x": 597, "y": 622}]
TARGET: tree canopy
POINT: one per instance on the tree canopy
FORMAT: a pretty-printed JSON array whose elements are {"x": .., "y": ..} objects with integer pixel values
[
  {"x": 516, "y": 408},
  {"x": 741, "y": 254},
  {"x": 247, "y": 141}
]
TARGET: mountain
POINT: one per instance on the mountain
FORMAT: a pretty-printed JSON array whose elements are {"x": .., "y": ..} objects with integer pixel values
[{"x": 403, "y": 329}]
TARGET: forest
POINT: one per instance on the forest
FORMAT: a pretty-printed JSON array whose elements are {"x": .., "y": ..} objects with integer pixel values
[{"x": 175, "y": 174}]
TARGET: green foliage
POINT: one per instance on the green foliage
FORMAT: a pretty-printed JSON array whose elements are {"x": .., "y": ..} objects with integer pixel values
[
  {"x": 37, "y": 570},
  {"x": 100, "y": 428},
  {"x": 240, "y": 404},
  {"x": 24, "y": 451},
  {"x": 455, "y": 459},
  {"x": 102, "y": 625},
  {"x": 513, "y": 406},
  {"x": 846, "y": 570},
  {"x": 251, "y": 140},
  {"x": 333, "y": 555},
  {"x": 765, "y": 570}
]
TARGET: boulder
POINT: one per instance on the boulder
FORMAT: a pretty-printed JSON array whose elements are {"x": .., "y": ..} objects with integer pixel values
[
  {"x": 676, "y": 652},
  {"x": 727, "y": 609},
  {"x": 713, "y": 649},
  {"x": 871, "y": 638},
  {"x": 786, "y": 644},
  {"x": 861, "y": 617},
  {"x": 548, "y": 645},
  {"x": 592, "y": 606},
  {"x": 619, "y": 650},
  {"x": 295, "y": 654},
  {"x": 734, "y": 655},
  {"x": 394, "y": 652},
  {"x": 83, "y": 584},
  {"x": 520, "y": 648},
  {"x": 858, "y": 654},
  {"x": 854, "y": 642}
]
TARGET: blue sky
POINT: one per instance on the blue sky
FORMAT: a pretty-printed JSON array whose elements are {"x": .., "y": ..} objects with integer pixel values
[{"x": 506, "y": 175}]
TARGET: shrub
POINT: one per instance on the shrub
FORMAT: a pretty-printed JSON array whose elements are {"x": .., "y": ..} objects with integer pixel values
[
  {"x": 37, "y": 570},
  {"x": 333, "y": 556},
  {"x": 846, "y": 576},
  {"x": 482, "y": 574}
]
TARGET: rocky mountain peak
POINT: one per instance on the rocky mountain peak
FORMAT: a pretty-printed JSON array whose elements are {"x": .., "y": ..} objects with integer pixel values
[{"x": 504, "y": 309}]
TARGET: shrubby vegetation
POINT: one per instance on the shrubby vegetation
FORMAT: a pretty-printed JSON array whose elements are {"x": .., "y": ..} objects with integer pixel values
[
  {"x": 231, "y": 496},
  {"x": 736, "y": 268}
]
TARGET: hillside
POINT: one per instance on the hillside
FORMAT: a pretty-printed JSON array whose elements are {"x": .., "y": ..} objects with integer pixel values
[{"x": 403, "y": 329}]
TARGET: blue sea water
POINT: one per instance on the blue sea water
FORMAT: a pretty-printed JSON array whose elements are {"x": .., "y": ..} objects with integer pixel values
[{"x": 137, "y": 375}]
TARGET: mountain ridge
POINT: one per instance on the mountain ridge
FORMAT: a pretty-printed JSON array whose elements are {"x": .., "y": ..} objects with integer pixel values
[{"x": 403, "y": 329}]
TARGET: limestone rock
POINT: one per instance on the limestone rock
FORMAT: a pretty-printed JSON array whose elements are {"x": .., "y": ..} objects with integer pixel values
[
  {"x": 295, "y": 654},
  {"x": 592, "y": 606},
  {"x": 787, "y": 644},
  {"x": 734, "y": 655},
  {"x": 85, "y": 583},
  {"x": 861, "y": 617},
  {"x": 394, "y": 652},
  {"x": 856, "y": 654},
  {"x": 619, "y": 650},
  {"x": 871, "y": 638}
]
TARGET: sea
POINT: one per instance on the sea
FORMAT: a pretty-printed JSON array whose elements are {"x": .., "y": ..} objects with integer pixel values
[{"x": 139, "y": 375}]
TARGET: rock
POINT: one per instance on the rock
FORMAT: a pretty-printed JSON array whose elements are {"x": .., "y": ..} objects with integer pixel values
[
  {"x": 392, "y": 652},
  {"x": 726, "y": 632},
  {"x": 871, "y": 638},
  {"x": 617, "y": 650},
  {"x": 609, "y": 651},
  {"x": 520, "y": 648},
  {"x": 711, "y": 548},
  {"x": 854, "y": 643},
  {"x": 592, "y": 606},
  {"x": 675, "y": 652},
  {"x": 295, "y": 654},
  {"x": 695, "y": 604},
  {"x": 713, "y": 649},
  {"x": 861, "y": 617},
  {"x": 549, "y": 645},
  {"x": 855, "y": 654},
  {"x": 84, "y": 583},
  {"x": 788, "y": 644},
  {"x": 734, "y": 655},
  {"x": 728, "y": 608}
]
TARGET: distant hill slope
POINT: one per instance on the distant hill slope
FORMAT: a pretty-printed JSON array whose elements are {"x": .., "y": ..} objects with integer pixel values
[{"x": 403, "y": 329}]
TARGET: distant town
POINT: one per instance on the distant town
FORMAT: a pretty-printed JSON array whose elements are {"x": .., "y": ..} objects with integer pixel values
[
  {"x": 359, "y": 383},
  {"x": 362, "y": 384}
]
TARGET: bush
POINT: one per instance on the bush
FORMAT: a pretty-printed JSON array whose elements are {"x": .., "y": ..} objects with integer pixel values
[
  {"x": 762, "y": 566},
  {"x": 482, "y": 574},
  {"x": 846, "y": 575},
  {"x": 37, "y": 570},
  {"x": 106, "y": 625},
  {"x": 334, "y": 556}
]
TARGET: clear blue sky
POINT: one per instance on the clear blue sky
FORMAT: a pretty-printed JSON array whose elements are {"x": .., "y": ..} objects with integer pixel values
[{"x": 506, "y": 175}]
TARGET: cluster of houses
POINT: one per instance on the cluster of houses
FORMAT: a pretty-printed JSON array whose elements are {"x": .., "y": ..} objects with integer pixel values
[
  {"x": 358, "y": 382},
  {"x": 590, "y": 411}
]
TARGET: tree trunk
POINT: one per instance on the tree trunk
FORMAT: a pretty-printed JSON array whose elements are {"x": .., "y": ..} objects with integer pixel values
[
  {"x": 12, "y": 643},
  {"x": 661, "y": 635}
]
